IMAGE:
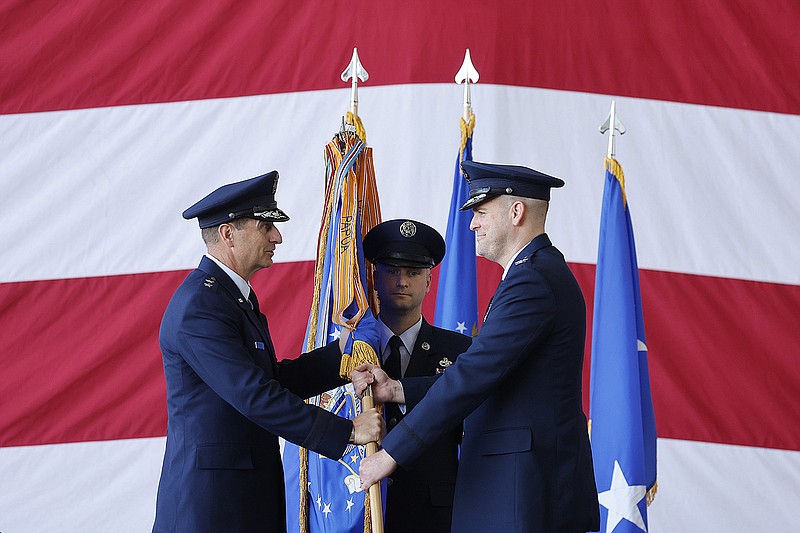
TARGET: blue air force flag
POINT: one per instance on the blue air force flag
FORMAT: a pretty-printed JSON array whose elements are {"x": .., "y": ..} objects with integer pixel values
[
  {"x": 623, "y": 427},
  {"x": 457, "y": 295}
]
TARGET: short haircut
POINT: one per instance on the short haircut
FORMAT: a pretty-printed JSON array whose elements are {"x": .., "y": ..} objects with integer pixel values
[{"x": 211, "y": 235}]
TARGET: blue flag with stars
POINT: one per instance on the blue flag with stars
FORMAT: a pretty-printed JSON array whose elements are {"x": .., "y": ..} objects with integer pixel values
[
  {"x": 623, "y": 428},
  {"x": 457, "y": 294}
]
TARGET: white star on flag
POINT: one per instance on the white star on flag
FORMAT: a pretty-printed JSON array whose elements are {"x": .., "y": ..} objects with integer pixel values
[
  {"x": 319, "y": 501},
  {"x": 336, "y": 334},
  {"x": 621, "y": 501},
  {"x": 327, "y": 510},
  {"x": 354, "y": 458},
  {"x": 462, "y": 327},
  {"x": 349, "y": 504}
]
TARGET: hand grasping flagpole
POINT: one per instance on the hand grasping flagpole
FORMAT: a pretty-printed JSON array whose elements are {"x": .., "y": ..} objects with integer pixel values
[{"x": 622, "y": 422}]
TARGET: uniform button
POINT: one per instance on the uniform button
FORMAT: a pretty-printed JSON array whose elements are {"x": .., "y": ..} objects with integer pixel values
[
  {"x": 393, "y": 422},
  {"x": 389, "y": 482}
]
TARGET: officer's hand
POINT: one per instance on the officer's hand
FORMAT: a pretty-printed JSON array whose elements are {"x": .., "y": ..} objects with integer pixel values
[
  {"x": 369, "y": 427},
  {"x": 376, "y": 467},
  {"x": 384, "y": 389},
  {"x": 362, "y": 378}
]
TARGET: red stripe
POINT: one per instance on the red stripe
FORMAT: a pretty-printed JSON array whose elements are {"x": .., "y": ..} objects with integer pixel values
[
  {"x": 80, "y": 358},
  {"x": 88, "y": 53},
  {"x": 81, "y": 362},
  {"x": 722, "y": 357}
]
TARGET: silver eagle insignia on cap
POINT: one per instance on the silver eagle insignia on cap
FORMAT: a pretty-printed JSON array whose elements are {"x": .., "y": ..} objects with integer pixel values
[
  {"x": 408, "y": 229},
  {"x": 268, "y": 214}
]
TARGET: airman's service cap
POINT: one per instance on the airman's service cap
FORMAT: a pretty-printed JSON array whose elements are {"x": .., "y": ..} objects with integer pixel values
[
  {"x": 404, "y": 243},
  {"x": 487, "y": 180},
  {"x": 253, "y": 198}
]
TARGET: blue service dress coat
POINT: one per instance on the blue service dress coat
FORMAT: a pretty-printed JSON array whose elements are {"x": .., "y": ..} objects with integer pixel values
[
  {"x": 526, "y": 463},
  {"x": 228, "y": 400},
  {"x": 419, "y": 497}
]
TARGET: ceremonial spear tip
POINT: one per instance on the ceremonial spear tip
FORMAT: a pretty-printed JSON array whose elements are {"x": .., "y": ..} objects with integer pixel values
[
  {"x": 355, "y": 71},
  {"x": 618, "y": 126},
  {"x": 467, "y": 72},
  {"x": 466, "y": 75}
]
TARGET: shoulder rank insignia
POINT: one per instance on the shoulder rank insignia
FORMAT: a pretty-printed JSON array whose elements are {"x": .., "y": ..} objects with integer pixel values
[
  {"x": 209, "y": 282},
  {"x": 443, "y": 364}
]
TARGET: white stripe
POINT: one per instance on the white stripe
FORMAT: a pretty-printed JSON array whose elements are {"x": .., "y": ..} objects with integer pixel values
[
  {"x": 719, "y": 488},
  {"x": 100, "y": 191},
  {"x": 87, "y": 487},
  {"x": 97, "y": 487}
]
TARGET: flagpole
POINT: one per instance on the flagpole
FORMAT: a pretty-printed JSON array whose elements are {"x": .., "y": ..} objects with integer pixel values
[
  {"x": 354, "y": 72},
  {"x": 623, "y": 447},
  {"x": 457, "y": 295}
]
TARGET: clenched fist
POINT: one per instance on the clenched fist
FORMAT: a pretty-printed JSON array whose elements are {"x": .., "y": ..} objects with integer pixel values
[{"x": 369, "y": 426}]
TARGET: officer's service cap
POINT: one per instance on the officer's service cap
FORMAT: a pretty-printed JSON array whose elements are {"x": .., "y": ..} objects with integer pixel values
[
  {"x": 404, "y": 243},
  {"x": 487, "y": 180},
  {"x": 253, "y": 198}
]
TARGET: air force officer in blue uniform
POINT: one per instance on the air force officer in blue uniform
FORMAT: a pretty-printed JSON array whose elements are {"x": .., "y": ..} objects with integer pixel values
[
  {"x": 228, "y": 397},
  {"x": 419, "y": 496},
  {"x": 526, "y": 463}
]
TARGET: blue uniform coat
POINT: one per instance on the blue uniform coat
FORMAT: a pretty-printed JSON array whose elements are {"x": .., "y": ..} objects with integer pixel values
[
  {"x": 228, "y": 400},
  {"x": 526, "y": 463},
  {"x": 419, "y": 497}
]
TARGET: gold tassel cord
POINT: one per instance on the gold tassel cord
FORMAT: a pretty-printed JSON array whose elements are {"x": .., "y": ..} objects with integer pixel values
[
  {"x": 303, "y": 493},
  {"x": 367, "y": 514}
]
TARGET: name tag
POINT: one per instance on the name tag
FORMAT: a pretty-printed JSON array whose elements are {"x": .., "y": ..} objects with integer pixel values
[{"x": 259, "y": 345}]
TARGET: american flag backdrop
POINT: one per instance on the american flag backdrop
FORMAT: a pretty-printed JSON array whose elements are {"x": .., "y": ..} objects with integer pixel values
[{"x": 115, "y": 117}]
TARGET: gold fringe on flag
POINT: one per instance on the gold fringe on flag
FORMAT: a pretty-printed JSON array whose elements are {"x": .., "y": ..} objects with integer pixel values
[
  {"x": 651, "y": 493},
  {"x": 613, "y": 166},
  {"x": 466, "y": 132},
  {"x": 363, "y": 353}
]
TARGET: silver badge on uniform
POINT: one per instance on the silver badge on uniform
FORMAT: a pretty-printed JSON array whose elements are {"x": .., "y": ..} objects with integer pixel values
[
  {"x": 443, "y": 364},
  {"x": 425, "y": 346}
]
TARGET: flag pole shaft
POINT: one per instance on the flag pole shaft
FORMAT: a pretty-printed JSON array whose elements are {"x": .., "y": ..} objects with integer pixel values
[{"x": 375, "y": 504}]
